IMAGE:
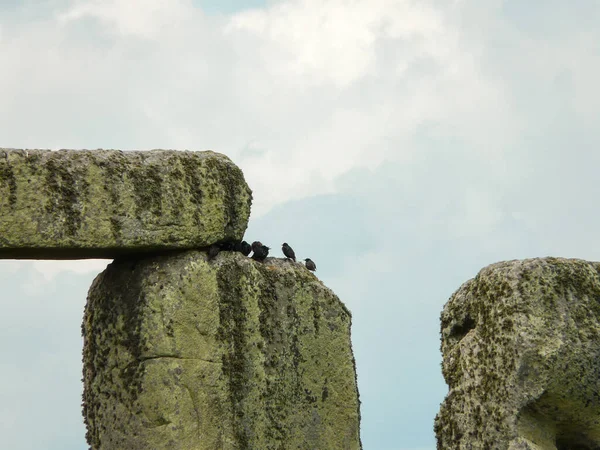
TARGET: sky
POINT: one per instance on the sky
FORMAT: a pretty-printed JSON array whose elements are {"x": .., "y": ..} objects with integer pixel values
[{"x": 401, "y": 145}]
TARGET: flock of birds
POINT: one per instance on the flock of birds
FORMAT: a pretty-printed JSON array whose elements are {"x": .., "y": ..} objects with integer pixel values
[{"x": 258, "y": 250}]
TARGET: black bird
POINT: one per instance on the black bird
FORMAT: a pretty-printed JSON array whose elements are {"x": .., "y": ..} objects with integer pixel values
[
  {"x": 310, "y": 265},
  {"x": 213, "y": 251},
  {"x": 260, "y": 253},
  {"x": 245, "y": 248},
  {"x": 227, "y": 246},
  {"x": 288, "y": 251},
  {"x": 256, "y": 245}
]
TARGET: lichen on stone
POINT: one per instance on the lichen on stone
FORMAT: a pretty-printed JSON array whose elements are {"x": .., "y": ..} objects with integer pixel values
[
  {"x": 106, "y": 203},
  {"x": 185, "y": 353},
  {"x": 521, "y": 356}
]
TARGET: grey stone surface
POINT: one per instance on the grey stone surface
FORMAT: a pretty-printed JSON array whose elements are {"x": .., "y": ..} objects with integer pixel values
[
  {"x": 104, "y": 203},
  {"x": 185, "y": 353},
  {"x": 521, "y": 356}
]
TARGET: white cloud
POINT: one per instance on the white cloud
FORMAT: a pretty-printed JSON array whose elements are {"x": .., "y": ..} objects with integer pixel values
[
  {"x": 139, "y": 18},
  {"x": 300, "y": 92},
  {"x": 319, "y": 85},
  {"x": 49, "y": 269},
  {"x": 406, "y": 58},
  {"x": 45, "y": 271},
  {"x": 331, "y": 41}
]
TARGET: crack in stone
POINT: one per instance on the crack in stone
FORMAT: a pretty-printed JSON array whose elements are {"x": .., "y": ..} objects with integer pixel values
[{"x": 151, "y": 357}]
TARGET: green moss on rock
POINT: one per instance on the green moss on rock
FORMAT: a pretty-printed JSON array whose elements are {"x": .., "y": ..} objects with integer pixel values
[
  {"x": 106, "y": 203},
  {"x": 185, "y": 353},
  {"x": 521, "y": 356}
]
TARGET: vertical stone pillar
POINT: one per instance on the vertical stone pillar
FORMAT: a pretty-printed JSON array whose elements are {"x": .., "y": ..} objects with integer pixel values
[
  {"x": 521, "y": 356},
  {"x": 183, "y": 353}
]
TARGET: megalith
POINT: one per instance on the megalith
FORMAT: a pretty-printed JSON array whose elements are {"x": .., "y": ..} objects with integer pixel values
[
  {"x": 521, "y": 356},
  {"x": 183, "y": 352},
  {"x": 71, "y": 204}
]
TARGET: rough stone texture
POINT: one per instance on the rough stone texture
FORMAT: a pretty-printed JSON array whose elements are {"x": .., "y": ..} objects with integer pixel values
[
  {"x": 185, "y": 353},
  {"x": 521, "y": 355},
  {"x": 104, "y": 203}
]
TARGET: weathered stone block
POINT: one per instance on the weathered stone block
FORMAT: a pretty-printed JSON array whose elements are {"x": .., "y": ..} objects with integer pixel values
[
  {"x": 104, "y": 203},
  {"x": 521, "y": 355},
  {"x": 185, "y": 353}
]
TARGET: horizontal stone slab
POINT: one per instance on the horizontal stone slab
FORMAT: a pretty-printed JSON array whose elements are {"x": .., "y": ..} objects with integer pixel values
[{"x": 71, "y": 204}]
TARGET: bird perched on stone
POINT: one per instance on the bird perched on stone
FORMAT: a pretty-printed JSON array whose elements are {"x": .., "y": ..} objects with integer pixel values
[
  {"x": 213, "y": 251},
  {"x": 288, "y": 251},
  {"x": 255, "y": 245},
  {"x": 227, "y": 246},
  {"x": 245, "y": 248},
  {"x": 260, "y": 253},
  {"x": 310, "y": 265}
]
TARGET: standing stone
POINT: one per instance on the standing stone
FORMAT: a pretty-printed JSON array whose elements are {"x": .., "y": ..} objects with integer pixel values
[
  {"x": 105, "y": 203},
  {"x": 521, "y": 355},
  {"x": 185, "y": 353}
]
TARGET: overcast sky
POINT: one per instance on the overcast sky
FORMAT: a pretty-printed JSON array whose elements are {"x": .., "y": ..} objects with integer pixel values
[{"x": 403, "y": 145}]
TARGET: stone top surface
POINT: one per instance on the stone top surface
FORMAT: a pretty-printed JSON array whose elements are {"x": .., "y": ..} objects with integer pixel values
[{"x": 71, "y": 204}]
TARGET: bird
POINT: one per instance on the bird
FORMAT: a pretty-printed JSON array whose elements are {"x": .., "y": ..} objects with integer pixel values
[
  {"x": 310, "y": 265},
  {"x": 227, "y": 246},
  {"x": 213, "y": 251},
  {"x": 288, "y": 251},
  {"x": 245, "y": 248},
  {"x": 260, "y": 253},
  {"x": 255, "y": 245}
]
